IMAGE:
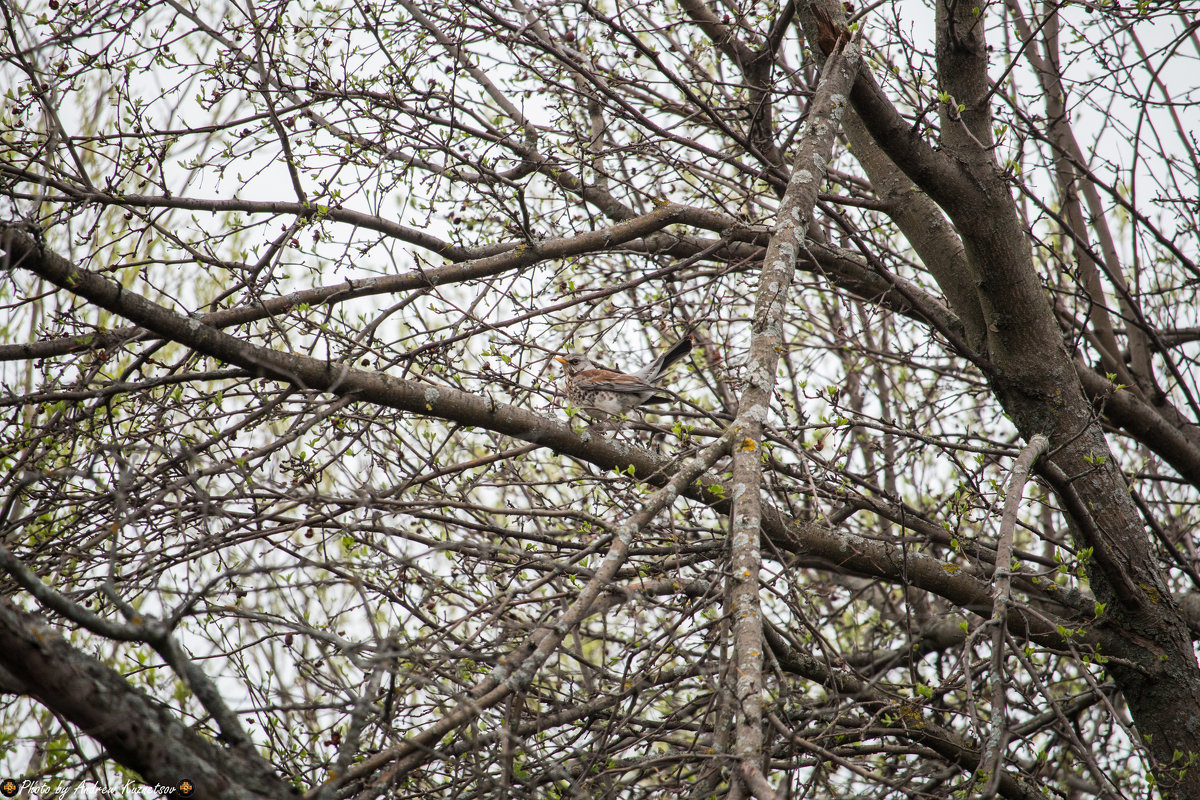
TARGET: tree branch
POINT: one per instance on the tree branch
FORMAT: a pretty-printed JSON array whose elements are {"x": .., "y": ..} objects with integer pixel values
[{"x": 137, "y": 731}]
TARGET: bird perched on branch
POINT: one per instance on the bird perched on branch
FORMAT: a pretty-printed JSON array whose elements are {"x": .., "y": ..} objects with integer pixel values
[{"x": 602, "y": 393}]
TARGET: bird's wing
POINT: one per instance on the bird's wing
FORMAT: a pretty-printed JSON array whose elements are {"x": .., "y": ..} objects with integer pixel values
[{"x": 609, "y": 381}]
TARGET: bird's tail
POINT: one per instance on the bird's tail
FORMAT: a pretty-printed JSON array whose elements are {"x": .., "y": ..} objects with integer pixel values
[{"x": 670, "y": 356}]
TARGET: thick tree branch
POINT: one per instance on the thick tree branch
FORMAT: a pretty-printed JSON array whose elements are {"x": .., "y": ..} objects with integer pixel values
[
  {"x": 140, "y": 733},
  {"x": 766, "y": 342},
  {"x": 1001, "y": 586}
]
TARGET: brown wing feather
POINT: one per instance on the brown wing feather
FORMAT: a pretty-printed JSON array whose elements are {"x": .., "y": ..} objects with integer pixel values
[{"x": 608, "y": 381}]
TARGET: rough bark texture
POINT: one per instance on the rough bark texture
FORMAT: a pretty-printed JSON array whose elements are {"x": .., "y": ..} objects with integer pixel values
[{"x": 774, "y": 282}]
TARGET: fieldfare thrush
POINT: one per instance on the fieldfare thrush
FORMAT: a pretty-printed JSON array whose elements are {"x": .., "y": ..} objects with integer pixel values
[{"x": 602, "y": 393}]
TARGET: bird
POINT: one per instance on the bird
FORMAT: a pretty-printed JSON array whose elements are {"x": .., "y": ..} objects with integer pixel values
[{"x": 601, "y": 393}]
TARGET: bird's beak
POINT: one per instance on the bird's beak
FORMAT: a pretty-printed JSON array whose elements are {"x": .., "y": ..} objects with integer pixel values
[{"x": 560, "y": 359}]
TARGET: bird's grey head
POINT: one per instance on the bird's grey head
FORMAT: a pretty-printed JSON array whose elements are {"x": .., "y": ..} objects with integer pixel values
[{"x": 574, "y": 362}]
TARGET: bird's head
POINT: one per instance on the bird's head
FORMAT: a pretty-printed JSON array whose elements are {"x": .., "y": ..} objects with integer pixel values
[{"x": 574, "y": 362}]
